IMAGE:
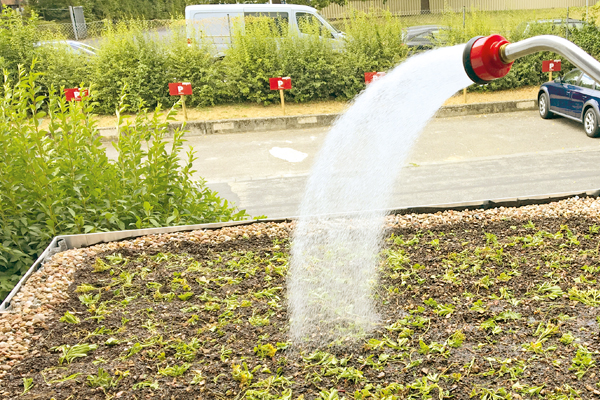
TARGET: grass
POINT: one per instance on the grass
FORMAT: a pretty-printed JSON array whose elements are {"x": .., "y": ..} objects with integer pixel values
[{"x": 493, "y": 310}]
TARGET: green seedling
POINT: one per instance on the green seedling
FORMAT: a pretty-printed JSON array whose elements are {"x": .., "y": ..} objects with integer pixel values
[
  {"x": 198, "y": 378},
  {"x": 85, "y": 288},
  {"x": 187, "y": 351},
  {"x": 175, "y": 370},
  {"x": 258, "y": 320},
  {"x": 101, "y": 266},
  {"x": 69, "y": 353},
  {"x": 582, "y": 362},
  {"x": 185, "y": 296},
  {"x": 89, "y": 300},
  {"x": 567, "y": 338},
  {"x": 347, "y": 373},
  {"x": 241, "y": 374},
  {"x": 457, "y": 339},
  {"x": 69, "y": 318},
  {"x": 590, "y": 297},
  {"x": 265, "y": 350},
  {"x": 329, "y": 395},
  {"x": 27, "y": 385},
  {"x": 146, "y": 384},
  {"x": 103, "y": 380},
  {"x": 478, "y": 306}
]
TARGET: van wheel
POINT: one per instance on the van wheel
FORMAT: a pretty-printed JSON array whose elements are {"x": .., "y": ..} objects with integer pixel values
[
  {"x": 590, "y": 123},
  {"x": 544, "y": 106}
]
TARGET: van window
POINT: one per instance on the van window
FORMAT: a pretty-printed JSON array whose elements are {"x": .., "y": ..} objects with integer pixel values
[
  {"x": 213, "y": 24},
  {"x": 281, "y": 19},
  {"x": 307, "y": 23}
]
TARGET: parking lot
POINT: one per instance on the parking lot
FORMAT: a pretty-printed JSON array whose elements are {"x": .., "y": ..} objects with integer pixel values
[{"x": 455, "y": 159}]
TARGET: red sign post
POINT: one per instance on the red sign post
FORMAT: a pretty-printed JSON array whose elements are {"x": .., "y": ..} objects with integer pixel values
[
  {"x": 371, "y": 77},
  {"x": 181, "y": 89},
  {"x": 75, "y": 94},
  {"x": 281, "y": 84},
  {"x": 550, "y": 66}
]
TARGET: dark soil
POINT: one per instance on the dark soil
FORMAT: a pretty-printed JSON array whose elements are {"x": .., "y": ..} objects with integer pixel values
[{"x": 487, "y": 311}]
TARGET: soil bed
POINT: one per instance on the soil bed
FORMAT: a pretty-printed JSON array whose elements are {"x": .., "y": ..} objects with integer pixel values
[{"x": 488, "y": 306}]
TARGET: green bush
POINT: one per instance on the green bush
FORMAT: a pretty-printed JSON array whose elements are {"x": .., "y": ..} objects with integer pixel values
[
  {"x": 133, "y": 59},
  {"x": 373, "y": 42},
  {"x": 55, "y": 178},
  {"x": 17, "y": 39},
  {"x": 252, "y": 59},
  {"x": 196, "y": 65}
]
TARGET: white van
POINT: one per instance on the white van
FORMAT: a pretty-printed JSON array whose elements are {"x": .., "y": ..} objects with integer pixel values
[{"x": 214, "y": 22}]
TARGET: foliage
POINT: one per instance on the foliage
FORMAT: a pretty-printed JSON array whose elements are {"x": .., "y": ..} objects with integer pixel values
[
  {"x": 101, "y": 9},
  {"x": 17, "y": 38},
  {"x": 57, "y": 179}
]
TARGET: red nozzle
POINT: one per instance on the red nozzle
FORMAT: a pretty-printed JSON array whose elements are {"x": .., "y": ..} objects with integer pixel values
[{"x": 482, "y": 60}]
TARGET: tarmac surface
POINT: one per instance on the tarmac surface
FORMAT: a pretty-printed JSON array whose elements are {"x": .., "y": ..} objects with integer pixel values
[{"x": 456, "y": 159}]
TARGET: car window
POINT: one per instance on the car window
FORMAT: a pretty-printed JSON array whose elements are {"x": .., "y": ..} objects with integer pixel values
[
  {"x": 587, "y": 82},
  {"x": 307, "y": 23},
  {"x": 572, "y": 77},
  {"x": 281, "y": 19}
]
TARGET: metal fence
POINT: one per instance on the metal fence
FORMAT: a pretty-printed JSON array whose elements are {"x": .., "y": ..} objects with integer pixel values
[
  {"x": 95, "y": 29},
  {"x": 427, "y": 7}
]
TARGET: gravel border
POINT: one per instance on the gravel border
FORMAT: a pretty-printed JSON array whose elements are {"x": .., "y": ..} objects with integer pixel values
[{"x": 47, "y": 287}]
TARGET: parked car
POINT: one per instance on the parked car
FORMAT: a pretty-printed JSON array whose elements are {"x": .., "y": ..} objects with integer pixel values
[
  {"x": 556, "y": 25},
  {"x": 574, "y": 96},
  {"x": 71, "y": 45},
  {"x": 214, "y": 23},
  {"x": 423, "y": 37}
]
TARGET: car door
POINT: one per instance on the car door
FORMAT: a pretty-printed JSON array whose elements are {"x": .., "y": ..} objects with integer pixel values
[
  {"x": 581, "y": 95},
  {"x": 560, "y": 93}
]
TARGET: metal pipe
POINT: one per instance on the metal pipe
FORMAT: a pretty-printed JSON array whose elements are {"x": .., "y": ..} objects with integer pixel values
[
  {"x": 489, "y": 58},
  {"x": 567, "y": 49}
]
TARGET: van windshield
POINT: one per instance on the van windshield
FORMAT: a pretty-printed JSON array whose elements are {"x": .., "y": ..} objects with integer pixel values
[{"x": 328, "y": 24}]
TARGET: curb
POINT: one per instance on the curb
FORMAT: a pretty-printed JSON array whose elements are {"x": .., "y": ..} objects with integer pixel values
[{"x": 243, "y": 125}]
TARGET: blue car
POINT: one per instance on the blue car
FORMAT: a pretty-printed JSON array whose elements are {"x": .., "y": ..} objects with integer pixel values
[{"x": 575, "y": 96}]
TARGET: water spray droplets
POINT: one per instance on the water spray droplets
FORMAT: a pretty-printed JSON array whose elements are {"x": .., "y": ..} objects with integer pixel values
[{"x": 333, "y": 269}]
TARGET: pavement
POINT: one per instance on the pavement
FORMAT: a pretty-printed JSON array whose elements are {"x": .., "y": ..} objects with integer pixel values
[{"x": 456, "y": 159}]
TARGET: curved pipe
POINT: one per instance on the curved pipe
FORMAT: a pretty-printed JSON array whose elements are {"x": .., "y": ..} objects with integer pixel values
[{"x": 482, "y": 54}]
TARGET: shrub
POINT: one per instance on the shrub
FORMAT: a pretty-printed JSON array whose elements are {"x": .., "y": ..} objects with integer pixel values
[
  {"x": 310, "y": 60},
  {"x": 133, "y": 58},
  {"x": 56, "y": 178},
  {"x": 252, "y": 59},
  {"x": 17, "y": 38},
  {"x": 195, "y": 64},
  {"x": 373, "y": 42}
]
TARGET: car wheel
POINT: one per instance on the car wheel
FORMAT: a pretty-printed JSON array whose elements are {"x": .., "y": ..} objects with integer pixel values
[
  {"x": 544, "y": 106},
  {"x": 590, "y": 123}
]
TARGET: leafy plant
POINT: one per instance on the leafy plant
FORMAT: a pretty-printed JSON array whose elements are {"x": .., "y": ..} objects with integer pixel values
[
  {"x": 69, "y": 318},
  {"x": 69, "y": 353},
  {"x": 175, "y": 370}
]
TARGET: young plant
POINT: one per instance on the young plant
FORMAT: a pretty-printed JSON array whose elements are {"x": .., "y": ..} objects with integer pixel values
[
  {"x": 69, "y": 353},
  {"x": 175, "y": 370}
]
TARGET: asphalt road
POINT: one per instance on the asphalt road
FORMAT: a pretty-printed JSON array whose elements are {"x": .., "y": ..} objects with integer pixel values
[{"x": 455, "y": 159}]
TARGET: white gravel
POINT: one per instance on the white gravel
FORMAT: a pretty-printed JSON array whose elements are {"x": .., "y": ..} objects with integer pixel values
[{"x": 47, "y": 287}]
